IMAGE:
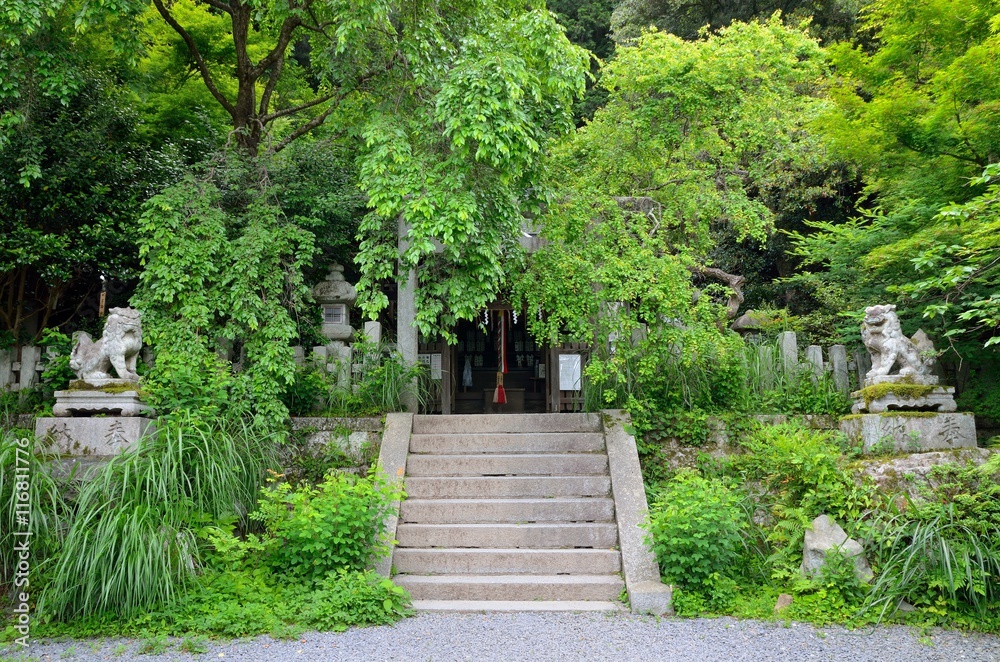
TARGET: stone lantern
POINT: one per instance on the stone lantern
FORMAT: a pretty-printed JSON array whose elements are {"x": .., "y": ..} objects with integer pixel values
[{"x": 336, "y": 296}]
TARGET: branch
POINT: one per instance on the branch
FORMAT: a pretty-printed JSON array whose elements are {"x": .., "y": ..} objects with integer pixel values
[
  {"x": 734, "y": 282},
  {"x": 218, "y": 4},
  {"x": 319, "y": 119},
  {"x": 291, "y": 111},
  {"x": 272, "y": 82},
  {"x": 196, "y": 54},
  {"x": 278, "y": 52},
  {"x": 305, "y": 128}
]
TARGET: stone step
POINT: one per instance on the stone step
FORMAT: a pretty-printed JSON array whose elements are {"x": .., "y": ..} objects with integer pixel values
[
  {"x": 512, "y": 587},
  {"x": 477, "y": 423},
  {"x": 437, "y": 487},
  {"x": 512, "y": 442},
  {"x": 596, "y": 535},
  {"x": 515, "y": 605},
  {"x": 468, "y": 511},
  {"x": 448, "y": 561},
  {"x": 522, "y": 464}
]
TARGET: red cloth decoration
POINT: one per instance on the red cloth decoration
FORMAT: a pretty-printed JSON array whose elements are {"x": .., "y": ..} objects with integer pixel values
[{"x": 499, "y": 395}]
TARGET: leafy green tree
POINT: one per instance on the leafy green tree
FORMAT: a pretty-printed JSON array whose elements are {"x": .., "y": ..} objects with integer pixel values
[
  {"x": 693, "y": 135},
  {"x": 223, "y": 270},
  {"x": 831, "y": 19},
  {"x": 76, "y": 220},
  {"x": 456, "y": 157},
  {"x": 918, "y": 116}
]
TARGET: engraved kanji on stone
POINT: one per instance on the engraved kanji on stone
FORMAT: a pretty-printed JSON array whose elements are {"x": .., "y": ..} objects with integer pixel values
[
  {"x": 895, "y": 427},
  {"x": 951, "y": 431},
  {"x": 116, "y": 434}
]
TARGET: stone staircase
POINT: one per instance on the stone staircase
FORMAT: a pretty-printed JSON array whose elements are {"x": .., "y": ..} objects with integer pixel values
[{"x": 508, "y": 512}]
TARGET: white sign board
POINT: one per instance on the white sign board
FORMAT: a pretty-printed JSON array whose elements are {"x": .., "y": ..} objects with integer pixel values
[
  {"x": 570, "y": 368},
  {"x": 433, "y": 363}
]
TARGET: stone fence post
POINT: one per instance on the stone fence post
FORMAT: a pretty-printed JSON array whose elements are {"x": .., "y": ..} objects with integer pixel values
[
  {"x": 789, "y": 347},
  {"x": 838, "y": 364}
]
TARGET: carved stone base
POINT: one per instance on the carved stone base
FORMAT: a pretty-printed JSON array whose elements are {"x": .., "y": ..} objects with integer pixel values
[
  {"x": 88, "y": 403},
  {"x": 940, "y": 399},
  {"x": 910, "y": 432},
  {"x": 98, "y": 436}
]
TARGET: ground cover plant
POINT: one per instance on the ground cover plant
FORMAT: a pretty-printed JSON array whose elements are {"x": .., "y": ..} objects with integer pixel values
[{"x": 729, "y": 536}]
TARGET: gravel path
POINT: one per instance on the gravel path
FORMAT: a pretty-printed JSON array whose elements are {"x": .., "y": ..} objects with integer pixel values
[{"x": 561, "y": 636}]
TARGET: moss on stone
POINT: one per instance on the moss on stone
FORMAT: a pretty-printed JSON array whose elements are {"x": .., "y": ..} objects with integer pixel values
[
  {"x": 906, "y": 390},
  {"x": 81, "y": 385}
]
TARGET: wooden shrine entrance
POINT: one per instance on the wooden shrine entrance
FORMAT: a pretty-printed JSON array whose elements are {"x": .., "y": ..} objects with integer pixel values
[{"x": 464, "y": 375}]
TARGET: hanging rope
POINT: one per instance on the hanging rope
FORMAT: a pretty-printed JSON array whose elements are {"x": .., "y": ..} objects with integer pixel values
[{"x": 499, "y": 395}]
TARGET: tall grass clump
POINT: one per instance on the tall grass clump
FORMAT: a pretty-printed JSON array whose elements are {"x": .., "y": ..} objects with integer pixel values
[
  {"x": 46, "y": 501},
  {"x": 942, "y": 549},
  {"x": 380, "y": 382},
  {"x": 132, "y": 542}
]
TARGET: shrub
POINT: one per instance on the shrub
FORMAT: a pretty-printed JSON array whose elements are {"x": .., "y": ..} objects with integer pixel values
[
  {"x": 802, "y": 474},
  {"x": 695, "y": 525},
  {"x": 348, "y": 598},
  {"x": 338, "y": 524},
  {"x": 942, "y": 549}
]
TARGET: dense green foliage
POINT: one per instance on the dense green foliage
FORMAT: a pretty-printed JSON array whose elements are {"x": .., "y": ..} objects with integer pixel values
[
  {"x": 335, "y": 525},
  {"x": 223, "y": 270},
  {"x": 934, "y": 547},
  {"x": 694, "y": 524}
]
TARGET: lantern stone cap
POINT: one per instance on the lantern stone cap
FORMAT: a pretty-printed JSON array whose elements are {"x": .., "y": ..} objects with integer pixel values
[{"x": 334, "y": 288}]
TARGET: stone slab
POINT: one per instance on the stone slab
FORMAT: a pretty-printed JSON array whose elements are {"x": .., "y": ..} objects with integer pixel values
[
  {"x": 468, "y": 487},
  {"x": 87, "y": 403},
  {"x": 479, "y": 423},
  {"x": 647, "y": 594},
  {"x": 521, "y": 464},
  {"x": 910, "y": 433},
  {"x": 392, "y": 464},
  {"x": 430, "y": 511},
  {"x": 913, "y": 473},
  {"x": 515, "y": 605},
  {"x": 511, "y": 442},
  {"x": 100, "y": 436},
  {"x": 518, "y": 587},
  {"x": 941, "y": 399},
  {"x": 548, "y": 535},
  {"x": 495, "y": 561}
]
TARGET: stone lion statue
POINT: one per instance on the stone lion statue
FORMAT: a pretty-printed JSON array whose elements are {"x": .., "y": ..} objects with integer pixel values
[
  {"x": 887, "y": 345},
  {"x": 118, "y": 347}
]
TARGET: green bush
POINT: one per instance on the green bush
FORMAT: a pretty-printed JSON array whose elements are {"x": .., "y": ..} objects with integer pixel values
[
  {"x": 348, "y": 598},
  {"x": 307, "y": 392},
  {"x": 942, "y": 551},
  {"x": 338, "y": 524},
  {"x": 802, "y": 474},
  {"x": 695, "y": 525}
]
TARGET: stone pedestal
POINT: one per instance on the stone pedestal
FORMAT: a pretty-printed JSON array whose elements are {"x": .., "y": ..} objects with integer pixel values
[
  {"x": 910, "y": 432},
  {"x": 887, "y": 393},
  {"x": 97, "y": 436},
  {"x": 88, "y": 403}
]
